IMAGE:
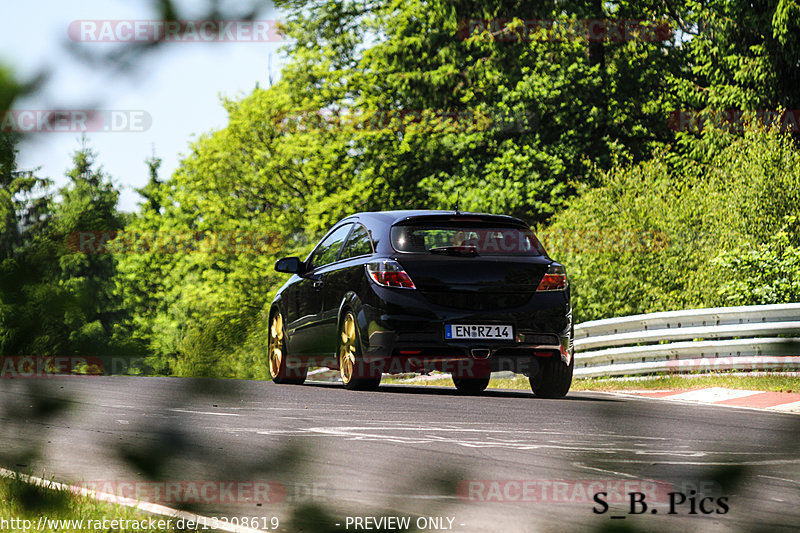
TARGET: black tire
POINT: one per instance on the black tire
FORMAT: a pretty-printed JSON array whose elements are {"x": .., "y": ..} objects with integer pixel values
[
  {"x": 471, "y": 385},
  {"x": 278, "y": 355},
  {"x": 553, "y": 378},
  {"x": 355, "y": 373}
]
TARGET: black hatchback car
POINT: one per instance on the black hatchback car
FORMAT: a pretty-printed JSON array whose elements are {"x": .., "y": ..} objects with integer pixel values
[{"x": 416, "y": 291}]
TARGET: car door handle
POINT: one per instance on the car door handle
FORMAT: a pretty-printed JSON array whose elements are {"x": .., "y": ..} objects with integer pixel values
[{"x": 318, "y": 284}]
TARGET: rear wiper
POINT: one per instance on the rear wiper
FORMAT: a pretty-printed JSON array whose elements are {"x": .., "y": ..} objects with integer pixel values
[{"x": 454, "y": 250}]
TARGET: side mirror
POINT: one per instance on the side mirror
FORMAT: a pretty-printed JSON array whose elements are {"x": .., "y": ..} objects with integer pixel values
[{"x": 290, "y": 265}]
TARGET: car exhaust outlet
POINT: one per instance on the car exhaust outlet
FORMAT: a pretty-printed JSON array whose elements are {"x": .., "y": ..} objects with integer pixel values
[{"x": 480, "y": 353}]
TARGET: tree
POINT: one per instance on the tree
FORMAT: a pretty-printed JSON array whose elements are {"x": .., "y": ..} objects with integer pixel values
[
  {"x": 653, "y": 238},
  {"x": 57, "y": 301},
  {"x": 387, "y": 105},
  {"x": 89, "y": 204},
  {"x": 381, "y": 106},
  {"x": 25, "y": 215},
  {"x": 553, "y": 105},
  {"x": 151, "y": 191}
]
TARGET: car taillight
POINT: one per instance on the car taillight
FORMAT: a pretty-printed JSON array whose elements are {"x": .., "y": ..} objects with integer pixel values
[
  {"x": 389, "y": 273},
  {"x": 554, "y": 280}
]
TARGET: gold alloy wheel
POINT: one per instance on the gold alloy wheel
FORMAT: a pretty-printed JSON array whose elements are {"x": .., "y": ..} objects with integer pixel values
[
  {"x": 347, "y": 349},
  {"x": 276, "y": 345}
]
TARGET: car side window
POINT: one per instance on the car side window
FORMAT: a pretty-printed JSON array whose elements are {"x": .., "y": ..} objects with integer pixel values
[
  {"x": 328, "y": 249},
  {"x": 359, "y": 243}
]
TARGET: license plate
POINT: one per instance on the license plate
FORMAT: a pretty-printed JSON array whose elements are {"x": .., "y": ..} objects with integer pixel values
[{"x": 478, "y": 331}]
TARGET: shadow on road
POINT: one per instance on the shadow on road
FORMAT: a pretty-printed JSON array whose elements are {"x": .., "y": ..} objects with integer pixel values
[{"x": 451, "y": 391}]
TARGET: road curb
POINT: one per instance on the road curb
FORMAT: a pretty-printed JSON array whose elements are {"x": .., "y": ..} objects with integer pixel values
[
  {"x": 146, "y": 507},
  {"x": 785, "y": 402}
]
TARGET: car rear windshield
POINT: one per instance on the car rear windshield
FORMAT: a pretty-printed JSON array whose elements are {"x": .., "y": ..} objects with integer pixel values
[{"x": 465, "y": 239}]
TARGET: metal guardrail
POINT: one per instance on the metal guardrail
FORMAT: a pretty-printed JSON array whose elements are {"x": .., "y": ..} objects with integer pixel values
[{"x": 761, "y": 337}]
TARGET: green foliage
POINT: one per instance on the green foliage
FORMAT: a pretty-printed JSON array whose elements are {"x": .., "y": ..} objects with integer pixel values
[
  {"x": 61, "y": 511},
  {"x": 744, "y": 58},
  {"x": 550, "y": 109},
  {"x": 387, "y": 105},
  {"x": 766, "y": 273},
  {"x": 194, "y": 305},
  {"x": 654, "y": 237},
  {"x": 54, "y": 301}
]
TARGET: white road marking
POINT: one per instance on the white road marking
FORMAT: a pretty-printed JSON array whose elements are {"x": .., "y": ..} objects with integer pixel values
[
  {"x": 604, "y": 471},
  {"x": 768, "y": 462},
  {"x": 571, "y": 442},
  {"x": 202, "y": 412},
  {"x": 712, "y": 400},
  {"x": 792, "y": 481},
  {"x": 367, "y": 434}
]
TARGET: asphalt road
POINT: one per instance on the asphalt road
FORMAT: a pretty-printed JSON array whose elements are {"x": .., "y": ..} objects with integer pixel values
[{"x": 322, "y": 456}]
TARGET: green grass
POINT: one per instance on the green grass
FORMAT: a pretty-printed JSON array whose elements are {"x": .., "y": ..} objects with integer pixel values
[
  {"x": 20, "y": 500},
  {"x": 729, "y": 380}
]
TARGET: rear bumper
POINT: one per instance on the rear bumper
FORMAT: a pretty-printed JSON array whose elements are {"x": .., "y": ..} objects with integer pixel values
[
  {"x": 402, "y": 331},
  {"x": 396, "y": 357}
]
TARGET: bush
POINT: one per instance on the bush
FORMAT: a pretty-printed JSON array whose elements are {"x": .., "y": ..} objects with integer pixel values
[{"x": 671, "y": 233}]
